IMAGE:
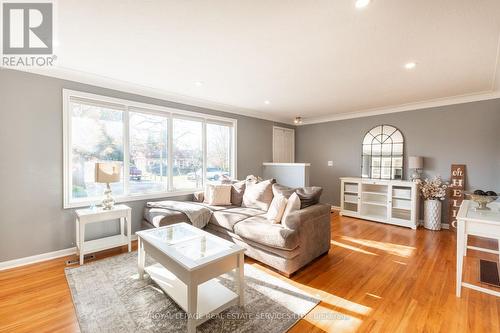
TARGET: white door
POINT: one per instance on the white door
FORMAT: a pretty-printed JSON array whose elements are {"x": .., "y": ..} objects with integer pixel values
[{"x": 283, "y": 145}]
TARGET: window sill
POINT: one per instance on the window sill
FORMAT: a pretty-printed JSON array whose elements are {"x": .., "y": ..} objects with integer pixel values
[{"x": 130, "y": 198}]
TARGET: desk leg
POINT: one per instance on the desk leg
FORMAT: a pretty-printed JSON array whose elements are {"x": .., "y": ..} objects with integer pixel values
[
  {"x": 81, "y": 240},
  {"x": 141, "y": 258},
  {"x": 77, "y": 238},
  {"x": 465, "y": 244},
  {"x": 192, "y": 307},
  {"x": 499, "y": 251},
  {"x": 129, "y": 231},
  {"x": 460, "y": 254},
  {"x": 241, "y": 278},
  {"x": 122, "y": 226}
]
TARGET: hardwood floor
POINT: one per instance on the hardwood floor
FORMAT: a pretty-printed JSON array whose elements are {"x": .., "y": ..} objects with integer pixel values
[{"x": 375, "y": 278}]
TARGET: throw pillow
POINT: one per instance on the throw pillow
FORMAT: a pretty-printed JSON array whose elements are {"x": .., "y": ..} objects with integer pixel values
[
  {"x": 309, "y": 195},
  {"x": 282, "y": 190},
  {"x": 199, "y": 196},
  {"x": 253, "y": 179},
  {"x": 276, "y": 209},
  {"x": 218, "y": 195},
  {"x": 258, "y": 195},
  {"x": 292, "y": 205},
  {"x": 237, "y": 192}
]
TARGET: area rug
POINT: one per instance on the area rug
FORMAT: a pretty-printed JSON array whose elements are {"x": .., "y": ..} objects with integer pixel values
[{"x": 109, "y": 297}]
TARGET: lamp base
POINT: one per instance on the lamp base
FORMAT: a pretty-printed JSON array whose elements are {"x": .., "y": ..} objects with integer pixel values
[
  {"x": 108, "y": 202},
  {"x": 415, "y": 175}
]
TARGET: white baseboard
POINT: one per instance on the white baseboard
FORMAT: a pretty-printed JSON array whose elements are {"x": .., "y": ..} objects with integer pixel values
[
  {"x": 41, "y": 257},
  {"x": 36, "y": 258},
  {"x": 337, "y": 208}
]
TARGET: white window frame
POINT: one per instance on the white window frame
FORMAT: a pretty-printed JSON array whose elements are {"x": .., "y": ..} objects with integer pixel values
[{"x": 128, "y": 106}]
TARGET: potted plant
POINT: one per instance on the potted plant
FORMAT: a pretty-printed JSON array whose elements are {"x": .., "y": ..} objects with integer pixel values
[{"x": 433, "y": 191}]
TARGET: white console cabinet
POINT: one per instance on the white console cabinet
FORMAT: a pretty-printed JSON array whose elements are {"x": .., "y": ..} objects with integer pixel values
[{"x": 387, "y": 201}]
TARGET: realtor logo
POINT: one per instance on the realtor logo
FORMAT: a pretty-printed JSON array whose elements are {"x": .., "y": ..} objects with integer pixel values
[{"x": 27, "y": 28}]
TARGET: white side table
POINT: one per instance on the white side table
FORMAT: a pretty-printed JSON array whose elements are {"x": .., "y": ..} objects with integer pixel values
[
  {"x": 87, "y": 216},
  {"x": 477, "y": 223}
]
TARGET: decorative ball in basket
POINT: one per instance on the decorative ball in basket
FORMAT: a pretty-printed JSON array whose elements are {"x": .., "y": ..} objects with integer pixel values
[{"x": 482, "y": 198}]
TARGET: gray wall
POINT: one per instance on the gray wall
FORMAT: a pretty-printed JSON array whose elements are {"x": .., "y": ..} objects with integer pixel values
[
  {"x": 292, "y": 176},
  {"x": 32, "y": 220},
  {"x": 462, "y": 134}
]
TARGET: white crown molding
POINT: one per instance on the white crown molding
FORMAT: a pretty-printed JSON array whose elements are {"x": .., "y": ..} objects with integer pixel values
[
  {"x": 42, "y": 257},
  {"x": 482, "y": 96},
  {"x": 128, "y": 87}
]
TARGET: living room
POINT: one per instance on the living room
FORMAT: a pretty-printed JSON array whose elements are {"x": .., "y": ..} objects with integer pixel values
[{"x": 250, "y": 166}]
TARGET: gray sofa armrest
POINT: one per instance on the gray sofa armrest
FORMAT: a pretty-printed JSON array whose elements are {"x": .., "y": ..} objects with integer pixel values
[
  {"x": 298, "y": 218},
  {"x": 314, "y": 228}
]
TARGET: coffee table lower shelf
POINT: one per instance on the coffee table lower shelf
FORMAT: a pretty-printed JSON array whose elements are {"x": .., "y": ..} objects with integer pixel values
[{"x": 213, "y": 297}]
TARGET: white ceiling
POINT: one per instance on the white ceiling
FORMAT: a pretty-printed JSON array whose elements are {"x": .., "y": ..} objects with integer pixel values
[{"x": 317, "y": 59}]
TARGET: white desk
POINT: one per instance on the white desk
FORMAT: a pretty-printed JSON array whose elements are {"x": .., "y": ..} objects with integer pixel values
[
  {"x": 477, "y": 223},
  {"x": 87, "y": 215}
]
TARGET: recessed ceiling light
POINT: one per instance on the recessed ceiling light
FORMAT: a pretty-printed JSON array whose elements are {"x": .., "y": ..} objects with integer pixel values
[
  {"x": 297, "y": 121},
  {"x": 198, "y": 83},
  {"x": 362, "y": 3},
  {"x": 267, "y": 102},
  {"x": 410, "y": 65}
]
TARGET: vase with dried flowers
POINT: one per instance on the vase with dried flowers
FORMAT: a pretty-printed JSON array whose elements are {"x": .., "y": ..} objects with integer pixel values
[{"x": 433, "y": 191}]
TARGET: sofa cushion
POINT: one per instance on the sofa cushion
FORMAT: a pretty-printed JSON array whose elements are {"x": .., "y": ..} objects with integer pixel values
[
  {"x": 248, "y": 212},
  {"x": 160, "y": 217},
  {"x": 237, "y": 192},
  {"x": 215, "y": 208},
  {"x": 218, "y": 194},
  {"x": 258, "y": 195},
  {"x": 247, "y": 243},
  {"x": 226, "y": 219},
  {"x": 283, "y": 190},
  {"x": 260, "y": 230},
  {"x": 292, "y": 205},
  {"x": 309, "y": 195},
  {"x": 276, "y": 209}
]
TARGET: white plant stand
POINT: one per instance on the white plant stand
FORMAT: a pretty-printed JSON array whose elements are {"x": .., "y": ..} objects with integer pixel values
[{"x": 88, "y": 215}]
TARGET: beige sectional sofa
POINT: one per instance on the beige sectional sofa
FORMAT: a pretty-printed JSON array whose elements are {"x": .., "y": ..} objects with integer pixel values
[{"x": 287, "y": 246}]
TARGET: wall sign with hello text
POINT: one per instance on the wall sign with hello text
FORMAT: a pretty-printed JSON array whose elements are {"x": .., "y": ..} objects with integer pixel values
[{"x": 456, "y": 192}]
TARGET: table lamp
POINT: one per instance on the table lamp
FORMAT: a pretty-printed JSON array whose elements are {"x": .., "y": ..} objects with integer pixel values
[
  {"x": 106, "y": 173},
  {"x": 417, "y": 164}
]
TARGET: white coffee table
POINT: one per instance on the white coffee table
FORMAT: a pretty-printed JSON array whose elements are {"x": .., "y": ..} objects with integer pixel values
[{"x": 189, "y": 259}]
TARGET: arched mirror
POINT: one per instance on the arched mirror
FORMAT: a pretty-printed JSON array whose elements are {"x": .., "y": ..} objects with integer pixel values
[{"x": 382, "y": 156}]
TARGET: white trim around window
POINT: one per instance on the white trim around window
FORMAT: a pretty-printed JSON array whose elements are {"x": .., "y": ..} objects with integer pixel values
[{"x": 128, "y": 106}]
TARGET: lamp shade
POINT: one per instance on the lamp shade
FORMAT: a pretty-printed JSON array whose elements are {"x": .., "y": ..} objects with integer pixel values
[
  {"x": 415, "y": 162},
  {"x": 107, "y": 172}
]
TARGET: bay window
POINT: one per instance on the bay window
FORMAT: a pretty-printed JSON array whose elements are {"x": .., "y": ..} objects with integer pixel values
[
  {"x": 162, "y": 151},
  {"x": 219, "y": 151},
  {"x": 148, "y": 153},
  {"x": 187, "y": 153}
]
